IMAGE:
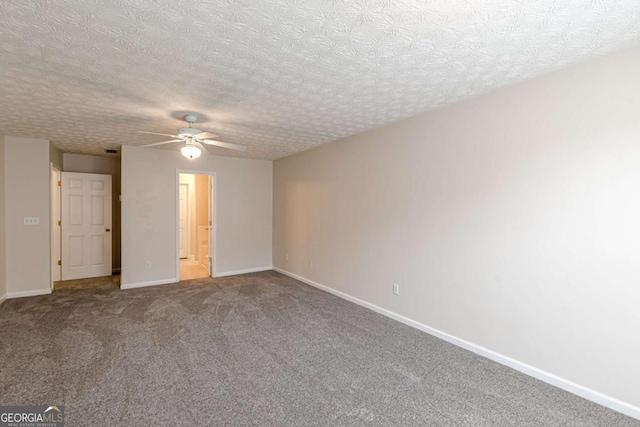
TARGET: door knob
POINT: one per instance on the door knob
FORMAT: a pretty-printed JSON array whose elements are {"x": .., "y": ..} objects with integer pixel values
[{"x": 108, "y": 229}]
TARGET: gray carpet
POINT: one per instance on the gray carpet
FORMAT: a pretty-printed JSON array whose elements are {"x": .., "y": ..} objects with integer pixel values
[{"x": 257, "y": 349}]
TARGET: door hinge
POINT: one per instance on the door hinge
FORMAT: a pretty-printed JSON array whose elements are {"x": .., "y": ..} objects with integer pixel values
[
  {"x": 59, "y": 262},
  {"x": 59, "y": 183},
  {"x": 210, "y": 223},
  {"x": 60, "y": 223}
]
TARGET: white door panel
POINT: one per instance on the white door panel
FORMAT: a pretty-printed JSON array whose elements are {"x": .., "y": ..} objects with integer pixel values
[
  {"x": 55, "y": 228},
  {"x": 86, "y": 225}
]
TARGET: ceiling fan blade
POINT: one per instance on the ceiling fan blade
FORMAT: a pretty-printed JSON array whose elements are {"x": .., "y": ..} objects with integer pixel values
[
  {"x": 204, "y": 135},
  {"x": 155, "y": 133},
  {"x": 203, "y": 148},
  {"x": 163, "y": 142},
  {"x": 225, "y": 145}
]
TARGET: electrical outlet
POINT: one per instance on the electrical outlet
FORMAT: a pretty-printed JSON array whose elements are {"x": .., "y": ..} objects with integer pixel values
[
  {"x": 396, "y": 289},
  {"x": 147, "y": 265},
  {"x": 286, "y": 257},
  {"x": 31, "y": 220}
]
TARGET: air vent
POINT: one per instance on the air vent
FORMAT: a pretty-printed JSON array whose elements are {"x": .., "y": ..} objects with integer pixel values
[{"x": 111, "y": 151}]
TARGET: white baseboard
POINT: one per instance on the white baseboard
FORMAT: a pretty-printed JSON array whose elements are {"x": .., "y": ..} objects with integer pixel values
[
  {"x": 249, "y": 270},
  {"x": 547, "y": 377},
  {"x": 151, "y": 283},
  {"x": 2, "y": 299},
  {"x": 22, "y": 294}
]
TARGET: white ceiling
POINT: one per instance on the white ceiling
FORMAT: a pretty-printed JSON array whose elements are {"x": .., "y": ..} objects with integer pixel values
[{"x": 279, "y": 76}]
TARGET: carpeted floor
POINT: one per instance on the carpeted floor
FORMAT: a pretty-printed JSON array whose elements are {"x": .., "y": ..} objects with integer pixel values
[{"x": 257, "y": 349}]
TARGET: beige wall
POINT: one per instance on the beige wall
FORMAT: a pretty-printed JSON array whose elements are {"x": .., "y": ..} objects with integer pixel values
[
  {"x": 105, "y": 165},
  {"x": 509, "y": 220},
  {"x": 27, "y": 195},
  {"x": 244, "y": 213},
  {"x": 3, "y": 240}
]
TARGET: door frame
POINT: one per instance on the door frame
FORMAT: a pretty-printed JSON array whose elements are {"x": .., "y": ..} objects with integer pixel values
[
  {"x": 188, "y": 201},
  {"x": 55, "y": 196},
  {"x": 212, "y": 208}
]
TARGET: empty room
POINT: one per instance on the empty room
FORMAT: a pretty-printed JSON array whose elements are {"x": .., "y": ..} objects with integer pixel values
[{"x": 320, "y": 213}]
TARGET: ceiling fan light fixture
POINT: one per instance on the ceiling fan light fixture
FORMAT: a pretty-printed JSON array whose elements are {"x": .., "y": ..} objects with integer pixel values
[{"x": 191, "y": 152}]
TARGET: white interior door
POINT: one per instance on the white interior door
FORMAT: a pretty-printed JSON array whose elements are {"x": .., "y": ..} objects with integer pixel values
[
  {"x": 55, "y": 227},
  {"x": 86, "y": 225},
  {"x": 184, "y": 220}
]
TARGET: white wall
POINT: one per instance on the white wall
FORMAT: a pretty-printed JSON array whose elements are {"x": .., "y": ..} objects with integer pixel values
[
  {"x": 84, "y": 163},
  {"x": 27, "y": 195},
  {"x": 510, "y": 220},
  {"x": 3, "y": 240},
  {"x": 243, "y": 203}
]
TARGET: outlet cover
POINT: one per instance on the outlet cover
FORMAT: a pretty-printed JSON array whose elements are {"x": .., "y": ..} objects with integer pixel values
[{"x": 31, "y": 220}]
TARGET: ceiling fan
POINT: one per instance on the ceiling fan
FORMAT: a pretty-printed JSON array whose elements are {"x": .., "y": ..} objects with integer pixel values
[{"x": 194, "y": 139}]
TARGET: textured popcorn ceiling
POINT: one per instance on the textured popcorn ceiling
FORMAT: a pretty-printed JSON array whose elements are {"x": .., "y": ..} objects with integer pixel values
[{"x": 279, "y": 76}]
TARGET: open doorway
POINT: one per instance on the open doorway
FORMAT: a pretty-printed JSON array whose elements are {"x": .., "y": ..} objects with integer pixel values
[
  {"x": 85, "y": 222},
  {"x": 195, "y": 225}
]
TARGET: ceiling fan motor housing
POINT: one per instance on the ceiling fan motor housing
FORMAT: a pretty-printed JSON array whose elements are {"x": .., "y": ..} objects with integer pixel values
[{"x": 185, "y": 132}]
